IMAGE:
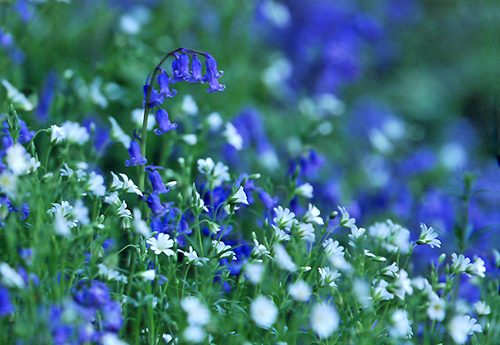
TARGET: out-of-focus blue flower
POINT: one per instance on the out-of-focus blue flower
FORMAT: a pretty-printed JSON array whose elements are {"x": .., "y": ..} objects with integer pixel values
[
  {"x": 163, "y": 122},
  {"x": 112, "y": 317},
  {"x": 156, "y": 180},
  {"x": 25, "y": 135},
  {"x": 91, "y": 293},
  {"x": 136, "y": 157},
  {"x": 46, "y": 97},
  {"x": 6, "y": 306}
]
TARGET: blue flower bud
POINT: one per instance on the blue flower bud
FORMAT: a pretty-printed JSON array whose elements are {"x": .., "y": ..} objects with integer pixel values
[
  {"x": 136, "y": 157},
  {"x": 156, "y": 181}
]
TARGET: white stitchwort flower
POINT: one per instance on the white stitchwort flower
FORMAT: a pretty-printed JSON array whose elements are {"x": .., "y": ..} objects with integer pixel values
[
  {"x": 328, "y": 276},
  {"x": 10, "y": 277},
  {"x": 460, "y": 263},
  {"x": 148, "y": 275},
  {"x": 194, "y": 334},
  {"x": 437, "y": 308},
  {"x": 162, "y": 244},
  {"x": 123, "y": 211},
  {"x": 56, "y": 134},
  {"x": 306, "y": 232},
  {"x": 192, "y": 257},
  {"x": 461, "y": 326},
  {"x": 403, "y": 285},
  {"x": 239, "y": 197},
  {"x": 305, "y": 190},
  {"x": 17, "y": 159},
  {"x": 401, "y": 325},
  {"x": 324, "y": 320},
  {"x": 380, "y": 290},
  {"x": 263, "y": 312},
  {"x": 224, "y": 250},
  {"x": 254, "y": 272},
  {"x": 96, "y": 184},
  {"x": 284, "y": 218},
  {"x": 313, "y": 215},
  {"x": 300, "y": 291},
  {"x": 232, "y": 136},
  {"x": 346, "y": 220},
  {"x": 118, "y": 134},
  {"x": 140, "y": 226},
  {"x": 391, "y": 271},
  {"x": 477, "y": 268},
  {"x": 482, "y": 308},
  {"x": 75, "y": 133},
  {"x": 283, "y": 260},
  {"x": 198, "y": 313},
  {"x": 428, "y": 236}
]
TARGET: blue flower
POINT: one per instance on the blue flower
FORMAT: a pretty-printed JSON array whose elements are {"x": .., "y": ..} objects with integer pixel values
[
  {"x": 156, "y": 181},
  {"x": 180, "y": 67},
  {"x": 92, "y": 293},
  {"x": 212, "y": 76},
  {"x": 164, "y": 81},
  {"x": 6, "y": 306},
  {"x": 163, "y": 122},
  {"x": 155, "y": 99},
  {"x": 155, "y": 204},
  {"x": 25, "y": 134},
  {"x": 136, "y": 157},
  {"x": 196, "y": 75}
]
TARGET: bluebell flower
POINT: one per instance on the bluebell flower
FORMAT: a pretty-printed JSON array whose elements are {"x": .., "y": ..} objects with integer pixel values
[
  {"x": 180, "y": 67},
  {"x": 268, "y": 201},
  {"x": 163, "y": 122},
  {"x": 25, "y": 135},
  {"x": 164, "y": 81},
  {"x": 155, "y": 204},
  {"x": 25, "y": 211},
  {"x": 112, "y": 317},
  {"x": 136, "y": 157},
  {"x": 197, "y": 70},
  {"x": 155, "y": 99},
  {"x": 91, "y": 293},
  {"x": 46, "y": 97},
  {"x": 156, "y": 180},
  {"x": 6, "y": 306},
  {"x": 212, "y": 76},
  {"x": 7, "y": 140}
]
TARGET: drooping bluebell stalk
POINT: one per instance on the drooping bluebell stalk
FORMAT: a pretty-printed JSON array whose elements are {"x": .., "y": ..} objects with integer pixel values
[{"x": 187, "y": 67}]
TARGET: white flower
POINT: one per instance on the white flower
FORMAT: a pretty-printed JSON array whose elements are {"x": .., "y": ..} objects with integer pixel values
[
  {"x": 421, "y": 283},
  {"x": 346, "y": 220},
  {"x": 139, "y": 224},
  {"x": 190, "y": 139},
  {"x": 403, "y": 285},
  {"x": 300, "y": 291},
  {"x": 390, "y": 271},
  {"x": 64, "y": 217},
  {"x": 214, "y": 121},
  {"x": 112, "y": 198},
  {"x": 306, "y": 232},
  {"x": 232, "y": 136},
  {"x": 477, "y": 268},
  {"x": 482, "y": 308},
  {"x": 57, "y": 134},
  {"x": 148, "y": 275},
  {"x": 225, "y": 250},
  {"x": 401, "y": 325},
  {"x": 263, "y": 312},
  {"x": 258, "y": 249},
  {"x": 313, "y": 215},
  {"x": 460, "y": 263},
  {"x": 118, "y": 134},
  {"x": 327, "y": 276},
  {"x": 324, "y": 320},
  {"x": 81, "y": 212},
  {"x": 189, "y": 105},
  {"x": 254, "y": 272},
  {"x": 437, "y": 308},
  {"x": 361, "y": 290},
  {"x": 61, "y": 225},
  {"x": 125, "y": 184},
  {"x": 138, "y": 117},
  {"x": 281, "y": 235},
  {"x": 111, "y": 339},
  {"x": 110, "y": 274},
  {"x": 428, "y": 236},
  {"x": 380, "y": 290},
  {"x": 96, "y": 184},
  {"x": 17, "y": 159},
  {"x": 198, "y": 313},
  {"x": 10, "y": 277},
  {"x": 123, "y": 211},
  {"x": 393, "y": 236},
  {"x": 8, "y": 182},
  {"x": 220, "y": 174},
  {"x": 206, "y": 166},
  {"x": 74, "y": 133},
  {"x": 239, "y": 197},
  {"x": 199, "y": 203},
  {"x": 305, "y": 190},
  {"x": 192, "y": 257},
  {"x": 16, "y": 97},
  {"x": 462, "y": 326},
  {"x": 162, "y": 244},
  {"x": 283, "y": 260},
  {"x": 284, "y": 218},
  {"x": 193, "y": 334}
]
